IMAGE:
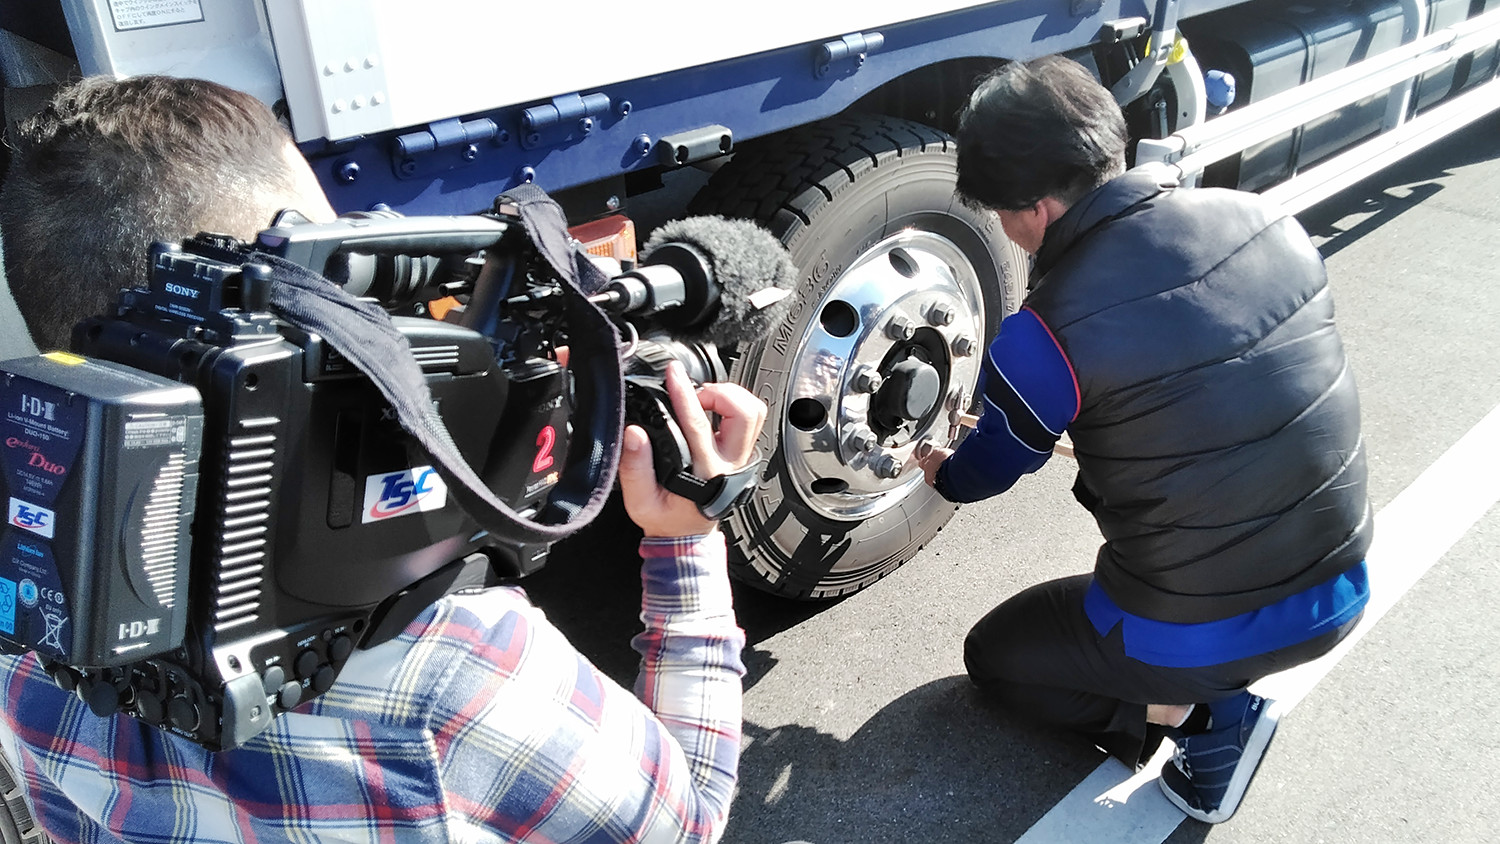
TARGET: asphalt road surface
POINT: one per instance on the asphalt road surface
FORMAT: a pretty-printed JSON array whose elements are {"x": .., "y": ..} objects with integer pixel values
[{"x": 861, "y": 726}]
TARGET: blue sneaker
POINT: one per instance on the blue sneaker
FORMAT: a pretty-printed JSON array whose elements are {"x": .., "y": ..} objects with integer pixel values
[{"x": 1210, "y": 771}]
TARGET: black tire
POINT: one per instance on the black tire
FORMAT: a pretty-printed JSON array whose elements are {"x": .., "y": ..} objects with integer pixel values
[
  {"x": 16, "y": 825},
  {"x": 845, "y": 195}
]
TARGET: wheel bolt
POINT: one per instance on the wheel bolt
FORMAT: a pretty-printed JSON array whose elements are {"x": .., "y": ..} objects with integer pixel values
[
  {"x": 940, "y": 314},
  {"x": 866, "y": 380},
  {"x": 900, "y": 328},
  {"x": 861, "y": 440},
  {"x": 887, "y": 466},
  {"x": 963, "y": 346}
]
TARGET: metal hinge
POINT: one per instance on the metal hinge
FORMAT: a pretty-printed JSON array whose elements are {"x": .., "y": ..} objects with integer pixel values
[
  {"x": 567, "y": 117},
  {"x": 445, "y": 145},
  {"x": 847, "y": 54}
]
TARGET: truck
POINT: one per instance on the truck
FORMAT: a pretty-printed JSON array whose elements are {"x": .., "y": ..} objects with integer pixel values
[{"x": 828, "y": 124}]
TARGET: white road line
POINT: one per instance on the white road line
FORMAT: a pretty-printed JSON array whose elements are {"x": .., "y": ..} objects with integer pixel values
[{"x": 1412, "y": 533}]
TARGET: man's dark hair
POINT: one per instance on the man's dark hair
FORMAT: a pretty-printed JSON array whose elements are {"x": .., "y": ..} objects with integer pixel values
[
  {"x": 1035, "y": 129},
  {"x": 110, "y": 165}
]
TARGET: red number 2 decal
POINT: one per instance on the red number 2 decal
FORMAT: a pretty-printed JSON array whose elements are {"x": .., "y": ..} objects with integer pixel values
[{"x": 544, "y": 442}]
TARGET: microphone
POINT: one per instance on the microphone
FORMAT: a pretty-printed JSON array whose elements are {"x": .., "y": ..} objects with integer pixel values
[
  {"x": 710, "y": 282},
  {"x": 708, "y": 279}
]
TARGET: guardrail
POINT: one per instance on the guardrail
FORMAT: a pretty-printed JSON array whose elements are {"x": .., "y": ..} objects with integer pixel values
[{"x": 1195, "y": 147}]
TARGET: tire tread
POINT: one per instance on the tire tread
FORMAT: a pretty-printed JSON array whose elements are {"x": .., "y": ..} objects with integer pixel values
[
  {"x": 786, "y": 182},
  {"x": 17, "y": 826}
]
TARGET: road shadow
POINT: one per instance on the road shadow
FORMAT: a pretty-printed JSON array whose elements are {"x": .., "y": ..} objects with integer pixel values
[
  {"x": 1374, "y": 200},
  {"x": 938, "y": 764},
  {"x": 591, "y": 591},
  {"x": 1190, "y": 832}
]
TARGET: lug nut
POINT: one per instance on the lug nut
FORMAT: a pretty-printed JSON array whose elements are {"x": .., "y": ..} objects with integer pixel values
[
  {"x": 866, "y": 380},
  {"x": 861, "y": 440},
  {"x": 887, "y": 466},
  {"x": 900, "y": 328},
  {"x": 940, "y": 314},
  {"x": 924, "y": 448},
  {"x": 963, "y": 346}
]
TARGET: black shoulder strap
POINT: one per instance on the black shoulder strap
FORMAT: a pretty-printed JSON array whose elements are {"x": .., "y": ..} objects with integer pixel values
[
  {"x": 363, "y": 332},
  {"x": 548, "y": 229}
]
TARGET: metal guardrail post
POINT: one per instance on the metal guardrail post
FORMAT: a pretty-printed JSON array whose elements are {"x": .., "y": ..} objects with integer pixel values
[
  {"x": 1416, "y": 15},
  {"x": 1333, "y": 175}
]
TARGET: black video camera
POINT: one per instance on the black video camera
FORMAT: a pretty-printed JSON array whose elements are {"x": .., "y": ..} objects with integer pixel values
[{"x": 211, "y": 507}]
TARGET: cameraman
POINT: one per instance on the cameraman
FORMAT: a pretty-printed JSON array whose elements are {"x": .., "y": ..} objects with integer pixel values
[
  {"x": 480, "y": 722},
  {"x": 1185, "y": 339}
]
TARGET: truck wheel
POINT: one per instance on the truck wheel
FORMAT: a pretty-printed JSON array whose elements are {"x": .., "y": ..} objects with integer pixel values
[
  {"x": 16, "y": 826},
  {"x": 901, "y": 287}
]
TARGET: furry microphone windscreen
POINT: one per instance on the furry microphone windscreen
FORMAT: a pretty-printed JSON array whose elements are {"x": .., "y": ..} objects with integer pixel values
[{"x": 754, "y": 273}]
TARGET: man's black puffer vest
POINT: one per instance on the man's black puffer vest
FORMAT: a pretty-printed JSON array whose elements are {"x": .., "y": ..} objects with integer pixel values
[{"x": 1218, "y": 437}]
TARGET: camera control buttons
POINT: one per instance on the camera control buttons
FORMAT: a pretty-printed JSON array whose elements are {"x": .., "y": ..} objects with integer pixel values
[
  {"x": 322, "y": 679},
  {"x": 182, "y": 714},
  {"x": 340, "y": 648},
  {"x": 273, "y": 678},
  {"x": 307, "y": 664},
  {"x": 100, "y": 694},
  {"x": 66, "y": 677},
  {"x": 149, "y": 707},
  {"x": 289, "y": 695}
]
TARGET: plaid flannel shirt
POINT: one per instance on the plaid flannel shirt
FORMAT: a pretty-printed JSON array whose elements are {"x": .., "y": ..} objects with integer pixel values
[{"x": 480, "y": 722}]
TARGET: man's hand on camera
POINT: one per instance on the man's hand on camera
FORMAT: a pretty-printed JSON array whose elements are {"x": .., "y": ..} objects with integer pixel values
[{"x": 741, "y": 414}]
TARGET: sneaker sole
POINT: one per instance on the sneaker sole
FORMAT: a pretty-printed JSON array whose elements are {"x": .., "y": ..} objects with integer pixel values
[{"x": 1255, "y": 747}]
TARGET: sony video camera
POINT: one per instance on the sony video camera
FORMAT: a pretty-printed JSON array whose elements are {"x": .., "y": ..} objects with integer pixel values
[{"x": 211, "y": 507}]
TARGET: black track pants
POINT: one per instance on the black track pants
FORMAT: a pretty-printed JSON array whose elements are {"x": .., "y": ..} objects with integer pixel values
[{"x": 1039, "y": 656}]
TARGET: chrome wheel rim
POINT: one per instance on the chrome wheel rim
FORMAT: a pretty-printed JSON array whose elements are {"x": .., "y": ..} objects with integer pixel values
[{"x": 909, "y": 311}]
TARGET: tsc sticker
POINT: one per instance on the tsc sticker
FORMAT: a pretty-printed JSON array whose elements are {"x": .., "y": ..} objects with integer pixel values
[
  {"x": 403, "y": 493},
  {"x": 28, "y": 516}
]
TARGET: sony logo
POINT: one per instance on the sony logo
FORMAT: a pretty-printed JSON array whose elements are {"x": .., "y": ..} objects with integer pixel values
[{"x": 182, "y": 290}]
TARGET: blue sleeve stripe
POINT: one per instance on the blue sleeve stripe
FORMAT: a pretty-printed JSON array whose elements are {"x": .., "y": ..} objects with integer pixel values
[
  {"x": 1029, "y": 380},
  {"x": 1048, "y": 373},
  {"x": 1030, "y": 432},
  {"x": 1030, "y": 396}
]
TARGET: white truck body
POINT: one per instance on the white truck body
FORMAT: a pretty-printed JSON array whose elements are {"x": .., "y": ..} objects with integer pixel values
[{"x": 405, "y": 63}]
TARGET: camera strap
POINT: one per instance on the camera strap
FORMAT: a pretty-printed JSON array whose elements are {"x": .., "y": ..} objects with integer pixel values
[
  {"x": 547, "y": 227},
  {"x": 363, "y": 332},
  {"x": 718, "y": 495}
]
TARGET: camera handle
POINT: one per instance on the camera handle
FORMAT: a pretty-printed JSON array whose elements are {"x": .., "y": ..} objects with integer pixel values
[{"x": 362, "y": 331}]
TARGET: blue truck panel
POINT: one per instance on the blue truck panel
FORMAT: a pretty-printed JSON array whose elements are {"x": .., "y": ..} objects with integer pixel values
[{"x": 751, "y": 97}]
